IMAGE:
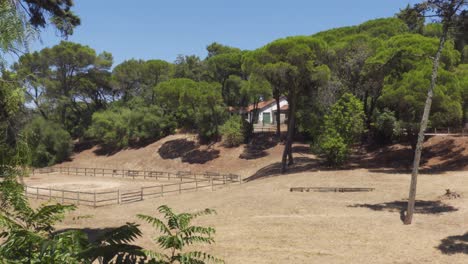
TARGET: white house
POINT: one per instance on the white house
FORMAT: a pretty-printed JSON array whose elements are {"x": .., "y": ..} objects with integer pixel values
[{"x": 266, "y": 114}]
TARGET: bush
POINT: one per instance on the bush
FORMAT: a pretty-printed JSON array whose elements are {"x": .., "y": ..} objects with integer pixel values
[
  {"x": 385, "y": 127},
  {"x": 48, "y": 141},
  {"x": 123, "y": 126},
  {"x": 333, "y": 148},
  {"x": 343, "y": 126},
  {"x": 232, "y": 132}
]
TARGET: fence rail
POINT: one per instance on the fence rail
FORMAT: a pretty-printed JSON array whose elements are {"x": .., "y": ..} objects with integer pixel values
[
  {"x": 447, "y": 131},
  {"x": 188, "y": 182}
]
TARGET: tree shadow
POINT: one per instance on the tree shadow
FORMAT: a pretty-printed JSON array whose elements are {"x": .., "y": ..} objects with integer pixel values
[
  {"x": 421, "y": 207},
  {"x": 109, "y": 150},
  {"x": 106, "y": 150},
  {"x": 176, "y": 148},
  {"x": 301, "y": 149},
  {"x": 200, "y": 156},
  {"x": 92, "y": 233},
  {"x": 300, "y": 165},
  {"x": 258, "y": 145},
  {"x": 399, "y": 159},
  {"x": 454, "y": 245}
]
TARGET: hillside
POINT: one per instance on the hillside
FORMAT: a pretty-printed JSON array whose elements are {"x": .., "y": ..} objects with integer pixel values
[{"x": 181, "y": 152}]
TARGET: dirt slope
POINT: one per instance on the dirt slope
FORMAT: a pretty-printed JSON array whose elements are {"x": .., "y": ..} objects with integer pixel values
[
  {"x": 181, "y": 152},
  {"x": 261, "y": 159}
]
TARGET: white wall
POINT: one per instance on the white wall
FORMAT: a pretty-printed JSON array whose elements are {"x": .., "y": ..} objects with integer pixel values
[{"x": 270, "y": 109}]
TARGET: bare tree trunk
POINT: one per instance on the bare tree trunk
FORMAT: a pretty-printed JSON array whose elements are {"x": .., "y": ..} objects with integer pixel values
[
  {"x": 422, "y": 128},
  {"x": 278, "y": 116},
  {"x": 287, "y": 153}
]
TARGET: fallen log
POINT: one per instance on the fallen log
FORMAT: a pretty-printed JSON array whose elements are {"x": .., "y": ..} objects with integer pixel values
[{"x": 330, "y": 189}]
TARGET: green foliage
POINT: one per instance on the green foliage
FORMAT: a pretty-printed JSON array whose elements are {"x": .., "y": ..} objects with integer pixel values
[
  {"x": 48, "y": 141},
  {"x": 178, "y": 233},
  {"x": 233, "y": 132},
  {"x": 333, "y": 148},
  {"x": 346, "y": 117},
  {"x": 385, "y": 127},
  {"x": 342, "y": 127},
  {"x": 124, "y": 126},
  {"x": 194, "y": 105},
  {"x": 29, "y": 236},
  {"x": 407, "y": 97}
]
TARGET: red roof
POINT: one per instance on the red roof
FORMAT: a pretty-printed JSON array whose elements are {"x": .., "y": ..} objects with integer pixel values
[{"x": 261, "y": 104}]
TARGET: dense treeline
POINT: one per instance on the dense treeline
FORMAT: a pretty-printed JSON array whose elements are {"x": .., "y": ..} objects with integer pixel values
[{"x": 384, "y": 63}]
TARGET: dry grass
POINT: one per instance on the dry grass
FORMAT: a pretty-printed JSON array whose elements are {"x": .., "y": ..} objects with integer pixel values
[{"x": 262, "y": 222}]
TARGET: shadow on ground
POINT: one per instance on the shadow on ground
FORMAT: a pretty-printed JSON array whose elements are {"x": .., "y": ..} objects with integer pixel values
[
  {"x": 188, "y": 151},
  {"x": 176, "y": 148},
  {"x": 198, "y": 156},
  {"x": 451, "y": 156},
  {"x": 300, "y": 165},
  {"x": 421, "y": 207},
  {"x": 454, "y": 245},
  {"x": 259, "y": 144},
  {"x": 109, "y": 150}
]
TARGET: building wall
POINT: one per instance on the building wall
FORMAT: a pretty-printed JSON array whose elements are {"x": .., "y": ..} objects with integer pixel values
[{"x": 271, "y": 109}]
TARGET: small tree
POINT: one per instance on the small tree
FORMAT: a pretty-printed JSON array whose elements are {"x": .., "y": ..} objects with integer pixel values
[
  {"x": 342, "y": 127},
  {"x": 179, "y": 233},
  {"x": 49, "y": 142},
  {"x": 232, "y": 132}
]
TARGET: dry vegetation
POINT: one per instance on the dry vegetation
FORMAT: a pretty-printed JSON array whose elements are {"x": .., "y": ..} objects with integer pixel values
[{"x": 261, "y": 221}]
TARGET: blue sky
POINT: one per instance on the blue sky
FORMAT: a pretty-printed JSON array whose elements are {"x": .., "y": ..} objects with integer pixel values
[{"x": 156, "y": 29}]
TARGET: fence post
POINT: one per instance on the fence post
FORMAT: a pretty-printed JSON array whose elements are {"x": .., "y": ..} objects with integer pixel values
[
  {"x": 94, "y": 199},
  {"x": 196, "y": 185},
  {"x": 212, "y": 187},
  {"x": 37, "y": 193},
  {"x": 118, "y": 196},
  {"x": 240, "y": 179},
  {"x": 180, "y": 188},
  {"x": 162, "y": 190},
  {"x": 142, "y": 193},
  {"x": 94, "y": 172},
  {"x": 78, "y": 198},
  {"x": 224, "y": 179}
]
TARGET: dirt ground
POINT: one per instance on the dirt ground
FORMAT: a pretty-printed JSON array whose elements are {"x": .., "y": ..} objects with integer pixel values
[{"x": 263, "y": 222}]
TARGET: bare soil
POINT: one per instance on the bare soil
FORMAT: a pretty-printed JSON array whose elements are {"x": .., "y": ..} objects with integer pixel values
[{"x": 261, "y": 221}]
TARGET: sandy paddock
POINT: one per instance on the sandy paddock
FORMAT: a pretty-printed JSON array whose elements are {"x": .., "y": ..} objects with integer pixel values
[
  {"x": 263, "y": 222},
  {"x": 64, "y": 188}
]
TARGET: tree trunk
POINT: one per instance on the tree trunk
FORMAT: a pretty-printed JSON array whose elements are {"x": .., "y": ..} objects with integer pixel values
[
  {"x": 422, "y": 128},
  {"x": 278, "y": 116},
  {"x": 287, "y": 153}
]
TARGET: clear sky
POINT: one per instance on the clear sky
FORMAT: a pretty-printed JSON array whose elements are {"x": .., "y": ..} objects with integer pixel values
[{"x": 158, "y": 29}]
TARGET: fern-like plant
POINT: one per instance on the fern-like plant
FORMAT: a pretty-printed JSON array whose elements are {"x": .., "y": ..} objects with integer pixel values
[
  {"x": 177, "y": 234},
  {"x": 29, "y": 235}
]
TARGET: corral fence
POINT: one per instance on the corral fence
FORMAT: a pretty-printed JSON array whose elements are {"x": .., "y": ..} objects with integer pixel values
[
  {"x": 187, "y": 181},
  {"x": 448, "y": 131}
]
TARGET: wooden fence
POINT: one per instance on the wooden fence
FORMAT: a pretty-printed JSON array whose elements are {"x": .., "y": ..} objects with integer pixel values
[{"x": 188, "y": 182}]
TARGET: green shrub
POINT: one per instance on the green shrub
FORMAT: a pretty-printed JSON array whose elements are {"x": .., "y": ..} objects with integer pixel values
[
  {"x": 233, "y": 132},
  {"x": 333, "y": 148},
  {"x": 342, "y": 127},
  {"x": 48, "y": 141},
  {"x": 123, "y": 126},
  {"x": 385, "y": 127}
]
